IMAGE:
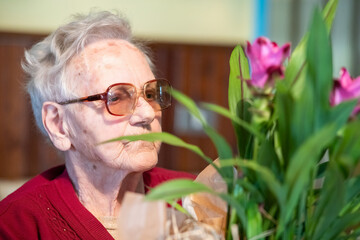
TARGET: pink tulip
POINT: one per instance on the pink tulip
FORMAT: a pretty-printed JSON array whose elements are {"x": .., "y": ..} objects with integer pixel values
[
  {"x": 345, "y": 88},
  {"x": 266, "y": 60}
]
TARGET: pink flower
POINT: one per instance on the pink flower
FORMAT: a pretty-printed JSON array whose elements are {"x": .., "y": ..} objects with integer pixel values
[
  {"x": 266, "y": 59},
  {"x": 345, "y": 88}
]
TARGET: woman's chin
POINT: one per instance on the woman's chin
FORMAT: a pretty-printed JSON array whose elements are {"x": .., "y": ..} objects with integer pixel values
[
  {"x": 139, "y": 161},
  {"x": 144, "y": 162}
]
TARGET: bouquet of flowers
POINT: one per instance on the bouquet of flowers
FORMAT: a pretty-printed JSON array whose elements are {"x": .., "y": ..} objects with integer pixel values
[{"x": 298, "y": 142}]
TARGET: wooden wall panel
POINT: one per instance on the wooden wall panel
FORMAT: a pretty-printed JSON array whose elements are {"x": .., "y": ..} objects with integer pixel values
[
  {"x": 12, "y": 110},
  {"x": 23, "y": 151},
  {"x": 201, "y": 72}
]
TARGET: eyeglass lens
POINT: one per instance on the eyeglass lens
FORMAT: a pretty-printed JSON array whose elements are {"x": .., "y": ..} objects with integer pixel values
[{"x": 121, "y": 98}]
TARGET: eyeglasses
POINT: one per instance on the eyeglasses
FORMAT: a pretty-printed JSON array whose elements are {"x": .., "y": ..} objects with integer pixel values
[{"x": 121, "y": 98}]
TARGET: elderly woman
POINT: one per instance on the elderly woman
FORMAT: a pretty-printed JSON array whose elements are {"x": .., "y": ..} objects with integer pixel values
[{"x": 88, "y": 82}]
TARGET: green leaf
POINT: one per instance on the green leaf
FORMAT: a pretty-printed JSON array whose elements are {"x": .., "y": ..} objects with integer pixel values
[
  {"x": 224, "y": 152},
  {"x": 178, "y": 207},
  {"x": 330, "y": 202},
  {"x": 284, "y": 103},
  {"x": 298, "y": 178},
  {"x": 245, "y": 139},
  {"x": 238, "y": 93},
  {"x": 264, "y": 174},
  {"x": 251, "y": 188},
  {"x": 296, "y": 68},
  {"x": 297, "y": 64},
  {"x": 352, "y": 189},
  {"x": 329, "y": 13},
  {"x": 267, "y": 158},
  {"x": 340, "y": 224},
  {"x": 341, "y": 113},
  {"x": 189, "y": 104},
  {"x": 239, "y": 72},
  {"x": 350, "y": 236},
  {"x": 319, "y": 78},
  {"x": 226, "y": 113},
  {"x": 347, "y": 148},
  {"x": 312, "y": 103},
  {"x": 223, "y": 148},
  {"x": 236, "y": 205},
  {"x": 176, "y": 189},
  {"x": 254, "y": 220},
  {"x": 165, "y": 138}
]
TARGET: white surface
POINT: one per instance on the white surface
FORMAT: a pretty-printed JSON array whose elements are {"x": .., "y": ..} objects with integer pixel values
[
  {"x": 9, "y": 186},
  {"x": 202, "y": 21}
]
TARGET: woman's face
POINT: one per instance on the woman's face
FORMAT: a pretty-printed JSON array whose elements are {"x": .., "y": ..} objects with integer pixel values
[{"x": 98, "y": 66}]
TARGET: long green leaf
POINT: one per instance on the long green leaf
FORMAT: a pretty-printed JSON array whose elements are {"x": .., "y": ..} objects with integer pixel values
[
  {"x": 226, "y": 113},
  {"x": 189, "y": 104},
  {"x": 312, "y": 103},
  {"x": 350, "y": 236},
  {"x": 176, "y": 189},
  {"x": 267, "y": 158},
  {"x": 284, "y": 103},
  {"x": 165, "y": 138},
  {"x": 254, "y": 225},
  {"x": 238, "y": 95},
  {"x": 341, "y": 113},
  {"x": 298, "y": 175},
  {"x": 297, "y": 62},
  {"x": 340, "y": 224},
  {"x": 239, "y": 72},
  {"x": 329, "y": 13},
  {"x": 245, "y": 139},
  {"x": 330, "y": 202},
  {"x": 237, "y": 206},
  {"x": 319, "y": 77},
  {"x": 264, "y": 173},
  {"x": 222, "y": 146},
  {"x": 352, "y": 189},
  {"x": 348, "y": 147}
]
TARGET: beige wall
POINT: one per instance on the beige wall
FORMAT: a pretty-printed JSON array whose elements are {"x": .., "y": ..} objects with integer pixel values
[{"x": 196, "y": 21}]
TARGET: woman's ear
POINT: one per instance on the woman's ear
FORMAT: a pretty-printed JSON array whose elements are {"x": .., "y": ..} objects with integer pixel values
[{"x": 53, "y": 120}]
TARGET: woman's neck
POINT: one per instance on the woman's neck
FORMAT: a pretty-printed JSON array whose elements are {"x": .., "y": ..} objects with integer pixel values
[{"x": 100, "y": 188}]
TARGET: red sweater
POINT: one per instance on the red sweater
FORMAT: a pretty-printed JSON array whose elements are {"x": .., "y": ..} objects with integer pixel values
[{"x": 46, "y": 207}]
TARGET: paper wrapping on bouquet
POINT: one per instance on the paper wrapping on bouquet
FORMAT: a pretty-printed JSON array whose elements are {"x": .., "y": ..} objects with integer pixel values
[
  {"x": 140, "y": 219},
  {"x": 207, "y": 208}
]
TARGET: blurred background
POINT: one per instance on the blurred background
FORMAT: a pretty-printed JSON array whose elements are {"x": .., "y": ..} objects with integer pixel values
[{"x": 191, "y": 41}]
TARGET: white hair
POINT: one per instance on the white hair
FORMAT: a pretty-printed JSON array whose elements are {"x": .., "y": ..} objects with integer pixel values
[{"x": 45, "y": 63}]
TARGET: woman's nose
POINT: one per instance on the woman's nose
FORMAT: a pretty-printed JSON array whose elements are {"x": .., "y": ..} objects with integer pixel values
[{"x": 143, "y": 113}]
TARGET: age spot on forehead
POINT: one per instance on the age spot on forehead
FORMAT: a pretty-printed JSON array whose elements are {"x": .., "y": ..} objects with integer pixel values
[
  {"x": 76, "y": 71},
  {"x": 101, "y": 55},
  {"x": 119, "y": 44},
  {"x": 77, "y": 65},
  {"x": 111, "y": 44}
]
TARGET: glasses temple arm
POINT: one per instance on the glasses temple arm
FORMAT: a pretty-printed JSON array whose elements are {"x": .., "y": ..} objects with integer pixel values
[{"x": 101, "y": 96}]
